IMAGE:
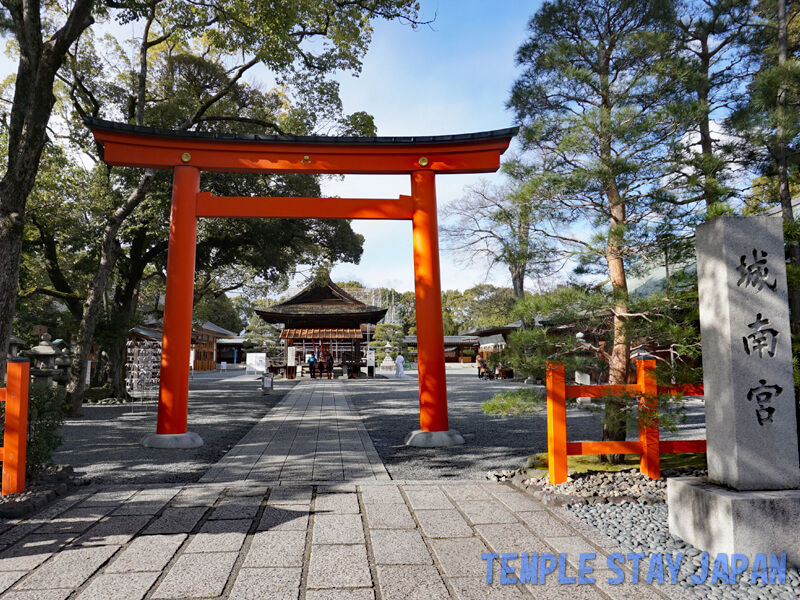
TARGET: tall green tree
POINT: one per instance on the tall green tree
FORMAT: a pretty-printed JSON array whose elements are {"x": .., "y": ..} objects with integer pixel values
[
  {"x": 486, "y": 305},
  {"x": 710, "y": 61},
  {"x": 191, "y": 63},
  {"x": 452, "y": 310},
  {"x": 768, "y": 118},
  {"x": 44, "y": 33},
  {"x": 175, "y": 86},
  {"x": 260, "y": 336},
  {"x": 220, "y": 311},
  {"x": 393, "y": 334},
  {"x": 594, "y": 102}
]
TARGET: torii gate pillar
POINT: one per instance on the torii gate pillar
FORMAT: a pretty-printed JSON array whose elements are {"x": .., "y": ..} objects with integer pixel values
[
  {"x": 434, "y": 428},
  {"x": 173, "y": 404}
]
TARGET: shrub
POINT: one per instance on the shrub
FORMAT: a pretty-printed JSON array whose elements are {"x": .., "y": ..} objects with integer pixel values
[
  {"x": 47, "y": 408},
  {"x": 524, "y": 400},
  {"x": 46, "y": 411}
]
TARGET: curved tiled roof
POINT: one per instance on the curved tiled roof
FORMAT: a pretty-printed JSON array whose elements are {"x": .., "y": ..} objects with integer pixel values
[{"x": 299, "y": 139}]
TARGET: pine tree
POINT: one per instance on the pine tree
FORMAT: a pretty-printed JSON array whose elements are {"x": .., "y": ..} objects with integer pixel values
[{"x": 594, "y": 101}]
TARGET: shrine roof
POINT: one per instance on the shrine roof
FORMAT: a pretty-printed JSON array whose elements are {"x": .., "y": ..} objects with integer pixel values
[
  {"x": 322, "y": 300},
  {"x": 95, "y": 123},
  {"x": 449, "y": 340},
  {"x": 278, "y": 313},
  {"x": 327, "y": 293},
  {"x": 216, "y": 329}
]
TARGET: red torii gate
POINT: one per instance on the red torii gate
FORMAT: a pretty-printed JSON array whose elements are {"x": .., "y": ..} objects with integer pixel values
[{"x": 189, "y": 153}]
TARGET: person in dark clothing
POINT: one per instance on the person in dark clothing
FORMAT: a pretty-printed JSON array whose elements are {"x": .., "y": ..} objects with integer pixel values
[{"x": 329, "y": 364}]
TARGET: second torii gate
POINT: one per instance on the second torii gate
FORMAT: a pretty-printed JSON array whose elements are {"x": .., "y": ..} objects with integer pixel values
[{"x": 190, "y": 153}]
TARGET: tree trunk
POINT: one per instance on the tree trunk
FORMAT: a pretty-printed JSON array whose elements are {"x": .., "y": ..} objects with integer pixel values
[
  {"x": 615, "y": 425},
  {"x": 707, "y": 166},
  {"x": 117, "y": 353},
  {"x": 94, "y": 302},
  {"x": 518, "y": 279},
  {"x": 11, "y": 226},
  {"x": 33, "y": 102}
]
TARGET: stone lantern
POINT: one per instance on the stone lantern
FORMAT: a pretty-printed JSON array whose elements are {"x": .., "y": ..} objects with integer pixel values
[
  {"x": 388, "y": 361},
  {"x": 44, "y": 361},
  {"x": 13, "y": 346},
  {"x": 63, "y": 365}
]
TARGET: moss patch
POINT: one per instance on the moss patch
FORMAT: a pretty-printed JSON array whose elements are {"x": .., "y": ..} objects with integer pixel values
[{"x": 585, "y": 463}]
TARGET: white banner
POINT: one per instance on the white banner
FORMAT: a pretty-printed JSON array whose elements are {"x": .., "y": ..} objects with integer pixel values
[{"x": 257, "y": 362}]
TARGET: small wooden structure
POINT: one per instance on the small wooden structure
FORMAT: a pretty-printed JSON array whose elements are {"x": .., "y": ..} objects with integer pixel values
[
  {"x": 205, "y": 347},
  {"x": 454, "y": 346},
  {"x": 324, "y": 319},
  {"x": 204, "y": 342},
  {"x": 231, "y": 350},
  {"x": 493, "y": 339}
]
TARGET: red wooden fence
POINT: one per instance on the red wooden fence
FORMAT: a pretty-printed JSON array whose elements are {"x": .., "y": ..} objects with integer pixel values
[
  {"x": 15, "y": 435},
  {"x": 648, "y": 446}
]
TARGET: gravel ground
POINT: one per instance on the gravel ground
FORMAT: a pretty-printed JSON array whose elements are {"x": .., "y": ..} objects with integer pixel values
[
  {"x": 390, "y": 410},
  {"x": 640, "y": 528},
  {"x": 103, "y": 445}
]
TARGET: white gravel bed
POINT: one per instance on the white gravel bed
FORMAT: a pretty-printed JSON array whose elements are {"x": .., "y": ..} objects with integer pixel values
[{"x": 643, "y": 528}]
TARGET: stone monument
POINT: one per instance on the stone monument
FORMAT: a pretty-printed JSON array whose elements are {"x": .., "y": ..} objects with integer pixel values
[{"x": 751, "y": 501}]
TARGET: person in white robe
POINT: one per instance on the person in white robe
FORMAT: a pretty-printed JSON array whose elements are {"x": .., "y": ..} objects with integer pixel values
[{"x": 399, "y": 362}]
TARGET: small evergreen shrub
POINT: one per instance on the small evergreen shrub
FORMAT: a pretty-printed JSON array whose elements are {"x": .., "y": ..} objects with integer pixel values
[{"x": 524, "y": 400}]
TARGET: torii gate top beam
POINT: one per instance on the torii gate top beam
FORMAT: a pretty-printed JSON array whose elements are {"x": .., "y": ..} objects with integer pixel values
[{"x": 145, "y": 147}]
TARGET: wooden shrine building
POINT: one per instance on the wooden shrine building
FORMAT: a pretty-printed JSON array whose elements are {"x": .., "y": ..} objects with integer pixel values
[{"x": 327, "y": 320}]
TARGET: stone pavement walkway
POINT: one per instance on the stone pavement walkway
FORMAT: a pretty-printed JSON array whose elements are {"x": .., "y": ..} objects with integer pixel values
[
  {"x": 294, "y": 537},
  {"x": 313, "y": 434}
]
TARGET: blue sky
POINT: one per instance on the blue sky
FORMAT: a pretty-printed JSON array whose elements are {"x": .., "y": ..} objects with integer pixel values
[{"x": 451, "y": 77}]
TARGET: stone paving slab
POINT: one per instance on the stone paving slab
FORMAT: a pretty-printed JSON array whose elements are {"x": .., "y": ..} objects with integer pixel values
[
  {"x": 260, "y": 526},
  {"x": 266, "y": 584},
  {"x": 338, "y": 529},
  {"x": 389, "y": 516},
  {"x": 276, "y": 549},
  {"x": 314, "y": 433},
  {"x": 197, "y": 575},
  {"x": 339, "y": 566},
  {"x": 119, "y": 586},
  {"x": 147, "y": 553},
  {"x": 284, "y": 517}
]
